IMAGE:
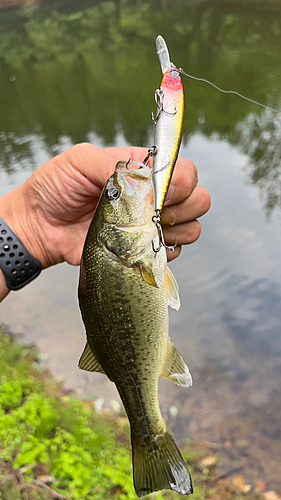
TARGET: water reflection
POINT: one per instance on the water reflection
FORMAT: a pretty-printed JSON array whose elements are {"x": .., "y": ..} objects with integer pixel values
[
  {"x": 72, "y": 74},
  {"x": 16, "y": 152},
  {"x": 260, "y": 138},
  {"x": 253, "y": 315},
  {"x": 71, "y": 71}
]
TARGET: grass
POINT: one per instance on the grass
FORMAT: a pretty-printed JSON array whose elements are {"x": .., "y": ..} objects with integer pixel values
[{"x": 54, "y": 446}]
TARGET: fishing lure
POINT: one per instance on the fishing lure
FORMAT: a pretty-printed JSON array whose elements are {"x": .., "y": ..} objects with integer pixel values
[
  {"x": 169, "y": 126},
  {"x": 168, "y": 132}
]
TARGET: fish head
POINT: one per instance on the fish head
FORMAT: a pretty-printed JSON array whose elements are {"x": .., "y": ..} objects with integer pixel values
[
  {"x": 124, "y": 215},
  {"x": 128, "y": 195}
]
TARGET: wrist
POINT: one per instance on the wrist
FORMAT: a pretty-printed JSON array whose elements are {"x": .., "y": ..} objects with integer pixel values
[
  {"x": 18, "y": 265},
  {"x": 4, "y": 290},
  {"x": 15, "y": 213}
]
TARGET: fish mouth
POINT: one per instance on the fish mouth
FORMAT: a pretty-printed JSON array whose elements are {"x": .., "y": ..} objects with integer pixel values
[{"x": 134, "y": 169}]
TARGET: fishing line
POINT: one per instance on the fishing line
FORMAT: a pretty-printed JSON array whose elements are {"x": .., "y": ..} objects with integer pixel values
[{"x": 229, "y": 91}]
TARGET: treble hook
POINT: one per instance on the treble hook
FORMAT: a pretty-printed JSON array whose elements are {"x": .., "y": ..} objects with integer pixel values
[
  {"x": 151, "y": 152},
  {"x": 159, "y": 99},
  {"x": 128, "y": 164},
  {"x": 157, "y": 221}
]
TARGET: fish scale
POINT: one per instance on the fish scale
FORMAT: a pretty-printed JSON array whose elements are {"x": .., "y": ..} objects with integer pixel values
[{"x": 116, "y": 312}]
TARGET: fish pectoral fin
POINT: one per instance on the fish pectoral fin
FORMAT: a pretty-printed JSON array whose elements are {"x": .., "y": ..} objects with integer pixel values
[
  {"x": 88, "y": 361},
  {"x": 174, "y": 368},
  {"x": 171, "y": 289},
  {"x": 147, "y": 274}
]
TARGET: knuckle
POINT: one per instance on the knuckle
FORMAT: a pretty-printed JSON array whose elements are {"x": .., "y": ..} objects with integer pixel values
[
  {"x": 195, "y": 230},
  {"x": 205, "y": 200},
  {"x": 187, "y": 176},
  {"x": 173, "y": 255},
  {"x": 193, "y": 170},
  {"x": 191, "y": 176}
]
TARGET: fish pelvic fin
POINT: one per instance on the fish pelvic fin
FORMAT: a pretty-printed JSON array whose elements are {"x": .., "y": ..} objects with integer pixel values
[
  {"x": 160, "y": 465},
  {"x": 147, "y": 274},
  {"x": 171, "y": 289},
  {"x": 88, "y": 361},
  {"x": 174, "y": 368}
]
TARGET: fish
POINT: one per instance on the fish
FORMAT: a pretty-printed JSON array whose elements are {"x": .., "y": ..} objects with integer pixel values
[
  {"x": 169, "y": 124},
  {"x": 124, "y": 293}
]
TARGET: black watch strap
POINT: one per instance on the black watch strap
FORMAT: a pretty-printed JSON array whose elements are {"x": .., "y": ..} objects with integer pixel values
[{"x": 18, "y": 266}]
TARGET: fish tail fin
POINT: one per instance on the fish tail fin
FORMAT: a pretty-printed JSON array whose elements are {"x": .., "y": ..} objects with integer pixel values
[{"x": 159, "y": 465}]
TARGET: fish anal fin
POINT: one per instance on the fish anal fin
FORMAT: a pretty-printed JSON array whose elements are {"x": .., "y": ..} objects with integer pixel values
[
  {"x": 171, "y": 289},
  {"x": 147, "y": 274},
  {"x": 174, "y": 368},
  {"x": 88, "y": 361}
]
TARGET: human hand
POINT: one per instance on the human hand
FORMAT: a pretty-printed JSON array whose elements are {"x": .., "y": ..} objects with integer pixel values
[{"x": 52, "y": 210}]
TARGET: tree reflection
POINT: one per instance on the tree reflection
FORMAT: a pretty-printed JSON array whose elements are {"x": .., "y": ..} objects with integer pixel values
[
  {"x": 15, "y": 152},
  {"x": 77, "y": 69},
  {"x": 260, "y": 138}
]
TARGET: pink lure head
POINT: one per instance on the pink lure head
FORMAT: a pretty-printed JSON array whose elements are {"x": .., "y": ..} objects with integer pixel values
[{"x": 172, "y": 80}]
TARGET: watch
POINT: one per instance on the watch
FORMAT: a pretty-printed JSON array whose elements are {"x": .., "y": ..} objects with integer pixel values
[{"x": 18, "y": 265}]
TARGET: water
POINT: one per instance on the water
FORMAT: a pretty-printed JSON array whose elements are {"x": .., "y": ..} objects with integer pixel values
[{"x": 70, "y": 75}]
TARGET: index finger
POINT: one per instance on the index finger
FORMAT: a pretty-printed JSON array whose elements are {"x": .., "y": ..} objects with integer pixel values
[{"x": 132, "y": 152}]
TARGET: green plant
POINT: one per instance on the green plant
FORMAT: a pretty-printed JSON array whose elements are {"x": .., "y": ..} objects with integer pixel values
[{"x": 78, "y": 448}]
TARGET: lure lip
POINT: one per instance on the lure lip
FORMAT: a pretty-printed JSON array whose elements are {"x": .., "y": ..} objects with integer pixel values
[{"x": 163, "y": 54}]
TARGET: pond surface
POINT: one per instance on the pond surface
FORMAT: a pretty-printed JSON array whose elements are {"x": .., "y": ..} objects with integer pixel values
[{"x": 88, "y": 73}]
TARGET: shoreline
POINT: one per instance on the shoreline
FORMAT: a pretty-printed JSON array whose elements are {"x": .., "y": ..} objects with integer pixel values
[{"x": 45, "y": 416}]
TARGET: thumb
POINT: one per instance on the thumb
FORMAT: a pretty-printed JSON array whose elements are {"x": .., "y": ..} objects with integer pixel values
[{"x": 91, "y": 162}]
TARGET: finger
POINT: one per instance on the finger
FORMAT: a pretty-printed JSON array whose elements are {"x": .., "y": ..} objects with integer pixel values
[
  {"x": 97, "y": 164},
  {"x": 183, "y": 182},
  {"x": 135, "y": 153},
  {"x": 174, "y": 254},
  {"x": 196, "y": 205},
  {"x": 185, "y": 233},
  {"x": 92, "y": 162}
]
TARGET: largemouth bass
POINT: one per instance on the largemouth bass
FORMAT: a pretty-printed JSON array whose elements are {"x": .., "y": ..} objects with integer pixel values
[{"x": 124, "y": 293}]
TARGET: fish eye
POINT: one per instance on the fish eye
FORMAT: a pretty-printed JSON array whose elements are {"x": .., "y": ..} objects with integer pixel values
[
  {"x": 112, "y": 193},
  {"x": 174, "y": 73}
]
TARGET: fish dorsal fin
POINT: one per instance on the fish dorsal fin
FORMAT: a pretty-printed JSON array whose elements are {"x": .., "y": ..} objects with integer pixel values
[
  {"x": 147, "y": 274},
  {"x": 88, "y": 361},
  {"x": 174, "y": 368},
  {"x": 171, "y": 289}
]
